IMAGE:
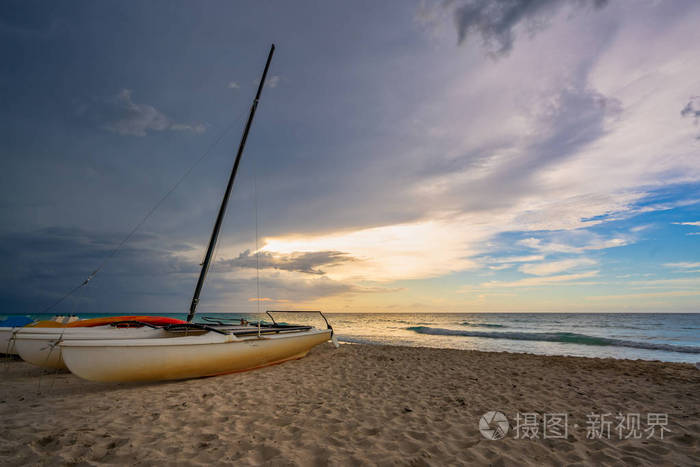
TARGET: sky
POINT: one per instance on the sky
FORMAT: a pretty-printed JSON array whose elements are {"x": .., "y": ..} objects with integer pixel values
[{"x": 454, "y": 156}]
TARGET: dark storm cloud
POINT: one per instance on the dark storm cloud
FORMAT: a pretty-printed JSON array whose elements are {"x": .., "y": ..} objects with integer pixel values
[
  {"x": 495, "y": 20},
  {"x": 692, "y": 110},
  {"x": 302, "y": 289},
  {"x": 41, "y": 266},
  {"x": 305, "y": 262},
  {"x": 39, "y": 31},
  {"x": 149, "y": 274},
  {"x": 474, "y": 159},
  {"x": 340, "y": 147},
  {"x": 239, "y": 295},
  {"x": 573, "y": 118},
  {"x": 294, "y": 289},
  {"x": 120, "y": 114}
]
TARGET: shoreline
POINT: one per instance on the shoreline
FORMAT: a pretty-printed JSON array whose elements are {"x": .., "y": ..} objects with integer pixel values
[
  {"x": 361, "y": 403},
  {"x": 369, "y": 343},
  {"x": 18, "y": 359}
]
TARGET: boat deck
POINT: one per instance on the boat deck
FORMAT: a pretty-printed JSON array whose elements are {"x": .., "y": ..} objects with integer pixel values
[{"x": 250, "y": 329}]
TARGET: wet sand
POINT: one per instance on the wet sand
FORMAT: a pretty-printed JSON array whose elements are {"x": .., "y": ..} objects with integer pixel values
[{"x": 355, "y": 405}]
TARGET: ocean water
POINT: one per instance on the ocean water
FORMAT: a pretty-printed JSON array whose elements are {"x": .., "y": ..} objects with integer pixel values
[{"x": 665, "y": 337}]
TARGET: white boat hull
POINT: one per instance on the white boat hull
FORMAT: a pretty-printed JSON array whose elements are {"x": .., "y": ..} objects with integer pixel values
[
  {"x": 172, "y": 358},
  {"x": 39, "y": 346}
]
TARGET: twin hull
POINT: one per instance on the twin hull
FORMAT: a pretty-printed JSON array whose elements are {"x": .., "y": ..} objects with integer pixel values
[
  {"x": 172, "y": 358},
  {"x": 37, "y": 343},
  {"x": 40, "y": 346}
]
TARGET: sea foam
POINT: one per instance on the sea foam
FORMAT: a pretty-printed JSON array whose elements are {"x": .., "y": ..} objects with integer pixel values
[{"x": 562, "y": 337}]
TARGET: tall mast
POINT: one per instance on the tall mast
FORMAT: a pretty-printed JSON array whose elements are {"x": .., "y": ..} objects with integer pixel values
[{"x": 224, "y": 202}]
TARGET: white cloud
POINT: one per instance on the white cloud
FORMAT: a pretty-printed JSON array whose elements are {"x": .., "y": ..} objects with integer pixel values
[
  {"x": 554, "y": 267},
  {"x": 682, "y": 265},
  {"x": 197, "y": 128},
  {"x": 233, "y": 85},
  {"x": 641, "y": 228},
  {"x": 680, "y": 283},
  {"x": 568, "y": 151},
  {"x": 620, "y": 162},
  {"x": 591, "y": 242},
  {"x": 540, "y": 281},
  {"x": 120, "y": 114},
  {"x": 517, "y": 259},
  {"x": 505, "y": 262},
  {"x": 273, "y": 81},
  {"x": 670, "y": 293},
  {"x": 402, "y": 251},
  {"x": 595, "y": 134},
  {"x": 695, "y": 224}
]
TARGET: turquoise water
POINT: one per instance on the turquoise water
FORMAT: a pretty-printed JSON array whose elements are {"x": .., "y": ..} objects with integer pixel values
[{"x": 666, "y": 337}]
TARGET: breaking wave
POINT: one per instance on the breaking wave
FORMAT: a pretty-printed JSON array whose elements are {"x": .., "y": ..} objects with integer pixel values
[
  {"x": 562, "y": 337},
  {"x": 482, "y": 325}
]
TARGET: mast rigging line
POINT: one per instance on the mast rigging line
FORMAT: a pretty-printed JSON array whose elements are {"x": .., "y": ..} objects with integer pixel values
[
  {"x": 257, "y": 249},
  {"x": 155, "y": 207}
]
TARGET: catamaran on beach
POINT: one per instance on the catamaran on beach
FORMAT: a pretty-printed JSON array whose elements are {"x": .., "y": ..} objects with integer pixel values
[
  {"x": 145, "y": 348},
  {"x": 310, "y": 234}
]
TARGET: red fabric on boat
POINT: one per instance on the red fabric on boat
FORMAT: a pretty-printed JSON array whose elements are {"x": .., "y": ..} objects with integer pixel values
[{"x": 155, "y": 320}]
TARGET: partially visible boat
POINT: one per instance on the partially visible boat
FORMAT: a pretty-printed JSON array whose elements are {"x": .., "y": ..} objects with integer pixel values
[
  {"x": 8, "y": 328},
  {"x": 38, "y": 343},
  {"x": 75, "y": 322}
]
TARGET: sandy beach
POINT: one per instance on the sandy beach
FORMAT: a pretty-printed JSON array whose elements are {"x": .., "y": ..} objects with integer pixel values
[{"x": 359, "y": 405}]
